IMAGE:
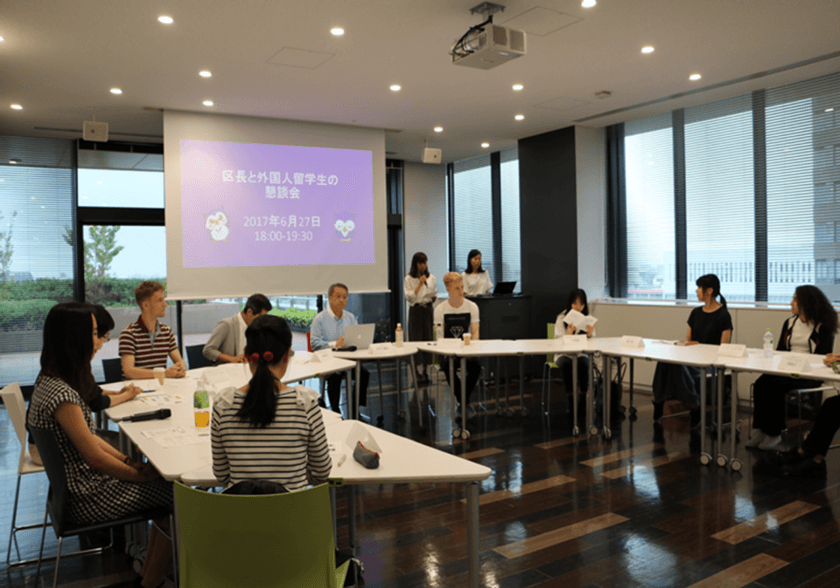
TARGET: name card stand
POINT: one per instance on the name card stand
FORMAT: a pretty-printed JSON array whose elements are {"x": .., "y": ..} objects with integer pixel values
[
  {"x": 321, "y": 355},
  {"x": 794, "y": 365},
  {"x": 732, "y": 350},
  {"x": 632, "y": 341},
  {"x": 575, "y": 341}
]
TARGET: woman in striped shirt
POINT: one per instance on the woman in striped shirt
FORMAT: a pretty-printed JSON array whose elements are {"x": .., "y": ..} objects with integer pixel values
[{"x": 267, "y": 430}]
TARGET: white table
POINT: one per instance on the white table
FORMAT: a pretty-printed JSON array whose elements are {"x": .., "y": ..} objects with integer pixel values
[
  {"x": 700, "y": 356},
  {"x": 755, "y": 362},
  {"x": 378, "y": 352},
  {"x": 498, "y": 348},
  {"x": 402, "y": 461}
]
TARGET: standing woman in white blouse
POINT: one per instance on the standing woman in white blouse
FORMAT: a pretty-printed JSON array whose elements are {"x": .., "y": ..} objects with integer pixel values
[
  {"x": 420, "y": 293},
  {"x": 476, "y": 279}
]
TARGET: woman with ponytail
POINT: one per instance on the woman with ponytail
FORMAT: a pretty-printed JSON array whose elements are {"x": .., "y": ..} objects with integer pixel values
[
  {"x": 709, "y": 324},
  {"x": 810, "y": 330},
  {"x": 267, "y": 430}
]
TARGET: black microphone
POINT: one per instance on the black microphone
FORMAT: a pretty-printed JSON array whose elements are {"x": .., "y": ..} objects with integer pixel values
[{"x": 163, "y": 413}]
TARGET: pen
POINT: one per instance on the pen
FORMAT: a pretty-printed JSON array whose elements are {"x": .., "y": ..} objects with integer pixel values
[{"x": 341, "y": 460}]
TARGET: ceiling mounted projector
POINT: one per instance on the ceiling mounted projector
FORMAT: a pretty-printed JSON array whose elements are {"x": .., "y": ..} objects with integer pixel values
[{"x": 486, "y": 45}]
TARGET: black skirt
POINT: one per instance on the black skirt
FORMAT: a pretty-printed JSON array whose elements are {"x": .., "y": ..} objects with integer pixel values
[{"x": 420, "y": 322}]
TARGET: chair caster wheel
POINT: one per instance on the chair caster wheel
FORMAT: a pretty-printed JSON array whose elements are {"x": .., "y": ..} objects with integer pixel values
[
  {"x": 456, "y": 432},
  {"x": 593, "y": 430},
  {"x": 607, "y": 434},
  {"x": 632, "y": 410},
  {"x": 722, "y": 460},
  {"x": 524, "y": 412},
  {"x": 622, "y": 409},
  {"x": 575, "y": 431},
  {"x": 509, "y": 413},
  {"x": 465, "y": 434},
  {"x": 401, "y": 415},
  {"x": 705, "y": 458},
  {"x": 736, "y": 465},
  {"x": 380, "y": 419}
]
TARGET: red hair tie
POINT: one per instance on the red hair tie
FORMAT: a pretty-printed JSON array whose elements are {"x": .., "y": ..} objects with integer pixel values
[
  {"x": 255, "y": 357},
  {"x": 268, "y": 356}
]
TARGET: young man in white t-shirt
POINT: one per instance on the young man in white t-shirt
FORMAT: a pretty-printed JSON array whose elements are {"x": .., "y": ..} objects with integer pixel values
[{"x": 457, "y": 304}]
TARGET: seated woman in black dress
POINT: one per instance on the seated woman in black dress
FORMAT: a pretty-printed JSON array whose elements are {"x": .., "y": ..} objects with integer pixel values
[
  {"x": 103, "y": 484},
  {"x": 710, "y": 324},
  {"x": 810, "y": 330}
]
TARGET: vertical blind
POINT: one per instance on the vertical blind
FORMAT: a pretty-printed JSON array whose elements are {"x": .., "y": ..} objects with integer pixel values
[
  {"x": 762, "y": 204},
  {"x": 473, "y": 213},
  {"x": 511, "y": 256}
]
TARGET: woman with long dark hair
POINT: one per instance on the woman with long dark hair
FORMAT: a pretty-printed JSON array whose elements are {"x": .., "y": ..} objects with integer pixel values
[
  {"x": 103, "y": 484},
  {"x": 420, "y": 290},
  {"x": 267, "y": 430},
  {"x": 476, "y": 278},
  {"x": 811, "y": 329},
  {"x": 710, "y": 324},
  {"x": 576, "y": 301}
]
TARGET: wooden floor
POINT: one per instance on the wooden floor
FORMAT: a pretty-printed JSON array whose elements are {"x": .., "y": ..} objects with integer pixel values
[{"x": 558, "y": 511}]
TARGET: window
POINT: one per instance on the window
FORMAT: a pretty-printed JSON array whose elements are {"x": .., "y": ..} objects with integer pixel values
[
  {"x": 759, "y": 193},
  {"x": 511, "y": 255},
  {"x": 473, "y": 213}
]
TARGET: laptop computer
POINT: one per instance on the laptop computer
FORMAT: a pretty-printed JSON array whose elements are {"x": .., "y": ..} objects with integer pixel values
[
  {"x": 504, "y": 288},
  {"x": 359, "y": 336},
  {"x": 456, "y": 323}
]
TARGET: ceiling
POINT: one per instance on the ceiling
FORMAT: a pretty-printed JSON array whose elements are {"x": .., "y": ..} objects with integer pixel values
[{"x": 60, "y": 58}]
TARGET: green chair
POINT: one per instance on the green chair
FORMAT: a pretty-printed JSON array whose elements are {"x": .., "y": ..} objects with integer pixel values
[
  {"x": 547, "y": 367},
  {"x": 271, "y": 540}
]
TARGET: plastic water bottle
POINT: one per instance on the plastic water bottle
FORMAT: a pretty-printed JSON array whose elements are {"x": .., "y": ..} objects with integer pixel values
[
  {"x": 201, "y": 405},
  {"x": 768, "y": 344},
  {"x": 398, "y": 336}
]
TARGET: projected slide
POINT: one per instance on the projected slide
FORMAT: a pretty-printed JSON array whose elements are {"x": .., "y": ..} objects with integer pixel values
[{"x": 273, "y": 205}]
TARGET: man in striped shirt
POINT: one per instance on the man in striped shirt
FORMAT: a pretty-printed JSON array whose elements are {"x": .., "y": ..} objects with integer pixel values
[{"x": 145, "y": 344}]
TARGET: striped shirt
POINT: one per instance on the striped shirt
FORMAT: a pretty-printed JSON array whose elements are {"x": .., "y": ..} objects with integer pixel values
[
  {"x": 285, "y": 451},
  {"x": 150, "y": 350}
]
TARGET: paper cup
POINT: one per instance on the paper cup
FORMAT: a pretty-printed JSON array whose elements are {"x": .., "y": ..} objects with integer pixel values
[
  {"x": 467, "y": 338},
  {"x": 160, "y": 374}
]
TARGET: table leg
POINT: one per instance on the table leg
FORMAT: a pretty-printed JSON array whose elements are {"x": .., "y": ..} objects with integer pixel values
[
  {"x": 575, "y": 429},
  {"x": 605, "y": 399},
  {"x": 508, "y": 411},
  {"x": 350, "y": 391},
  {"x": 358, "y": 390},
  {"x": 465, "y": 434},
  {"x": 631, "y": 409},
  {"x": 722, "y": 457},
  {"x": 705, "y": 458},
  {"x": 472, "y": 532},
  {"x": 381, "y": 416},
  {"x": 498, "y": 383},
  {"x": 735, "y": 464},
  {"x": 416, "y": 391},
  {"x": 400, "y": 411},
  {"x": 334, "y": 515},
  {"x": 456, "y": 430},
  {"x": 590, "y": 395}
]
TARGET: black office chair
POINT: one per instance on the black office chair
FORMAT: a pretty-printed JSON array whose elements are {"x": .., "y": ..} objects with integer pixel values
[
  {"x": 196, "y": 357},
  {"x": 57, "y": 503},
  {"x": 113, "y": 370}
]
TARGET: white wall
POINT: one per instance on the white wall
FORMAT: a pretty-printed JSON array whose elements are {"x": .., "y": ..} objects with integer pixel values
[
  {"x": 424, "y": 217},
  {"x": 591, "y": 177},
  {"x": 669, "y": 322}
]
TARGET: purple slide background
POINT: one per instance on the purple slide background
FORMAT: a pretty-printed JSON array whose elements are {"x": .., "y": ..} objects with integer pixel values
[{"x": 204, "y": 193}]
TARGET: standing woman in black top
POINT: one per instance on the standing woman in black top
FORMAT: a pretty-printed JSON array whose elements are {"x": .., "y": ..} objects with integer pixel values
[
  {"x": 810, "y": 330},
  {"x": 710, "y": 324}
]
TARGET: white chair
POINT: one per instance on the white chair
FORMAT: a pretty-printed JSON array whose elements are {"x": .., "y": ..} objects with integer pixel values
[{"x": 16, "y": 407}]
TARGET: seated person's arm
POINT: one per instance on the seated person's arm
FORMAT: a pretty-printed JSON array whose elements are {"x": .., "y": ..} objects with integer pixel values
[
  {"x": 319, "y": 462},
  {"x": 688, "y": 339},
  {"x": 474, "y": 331},
  {"x": 211, "y": 350},
  {"x": 221, "y": 466},
  {"x": 831, "y": 358},
  {"x": 726, "y": 337},
  {"x": 179, "y": 367},
  {"x": 129, "y": 392},
  {"x": 318, "y": 338},
  {"x": 135, "y": 373},
  {"x": 97, "y": 453}
]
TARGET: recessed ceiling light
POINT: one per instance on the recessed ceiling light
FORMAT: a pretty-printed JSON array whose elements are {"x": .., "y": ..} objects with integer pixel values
[
  {"x": 116, "y": 91},
  {"x": 2, "y": 39},
  {"x": 694, "y": 77},
  {"x": 337, "y": 31},
  {"x": 588, "y": 3},
  {"x": 647, "y": 49},
  {"x": 98, "y": 181},
  {"x": 485, "y": 145},
  {"x": 396, "y": 87},
  {"x": 166, "y": 19},
  {"x": 205, "y": 73},
  {"x": 15, "y": 162},
  {"x": 17, "y": 107},
  {"x": 208, "y": 103},
  {"x": 438, "y": 129},
  {"x": 829, "y": 110},
  {"x": 517, "y": 87},
  {"x": 519, "y": 117}
]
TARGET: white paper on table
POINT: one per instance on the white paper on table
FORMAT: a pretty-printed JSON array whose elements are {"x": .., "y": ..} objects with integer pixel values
[
  {"x": 574, "y": 341},
  {"x": 155, "y": 400},
  {"x": 175, "y": 437},
  {"x": 359, "y": 433},
  {"x": 795, "y": 364}
]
